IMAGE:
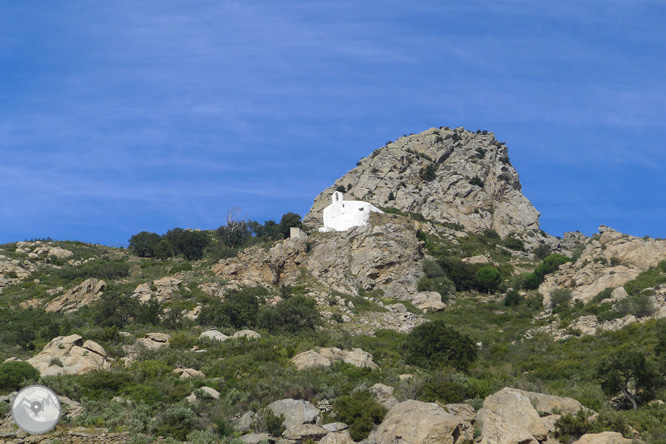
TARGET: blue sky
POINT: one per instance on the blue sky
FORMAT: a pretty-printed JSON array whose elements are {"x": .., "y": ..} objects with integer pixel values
[{"x": 125, "y": 116}]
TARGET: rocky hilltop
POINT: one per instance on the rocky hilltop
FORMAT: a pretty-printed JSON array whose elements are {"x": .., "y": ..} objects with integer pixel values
[{"x": 446, "y": 175}]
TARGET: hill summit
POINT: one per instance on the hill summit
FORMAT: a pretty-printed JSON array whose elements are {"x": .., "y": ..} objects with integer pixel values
[{"x": 447, "y": 175}]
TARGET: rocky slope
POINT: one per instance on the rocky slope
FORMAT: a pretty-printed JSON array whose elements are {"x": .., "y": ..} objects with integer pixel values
[{"x": 447, "y": 175}]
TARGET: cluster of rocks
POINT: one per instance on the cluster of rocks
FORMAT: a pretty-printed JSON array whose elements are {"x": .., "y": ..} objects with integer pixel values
[
  {"x": 161, "y": 289},
  {"x": 218, "y": 336},
  {"x": 508, "y": 416},
  {"x": 590, "y": 325},
  {"x": 396, "y": 318},
  {"x": 609, "y": 260},
  {"x": 14, "y": 270}
]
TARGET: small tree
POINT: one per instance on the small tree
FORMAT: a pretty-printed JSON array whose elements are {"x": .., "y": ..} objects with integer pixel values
[
  {"x": 488, "y": 278},
  {"x": 550, "y": 264},
  {"x": 289, "y": 220},
  {"x": 143, "y": 244},
  {"x": 360, "y": 411},
  {"x": 629, "y": 373},
  {"x": 560, "y": 297}
]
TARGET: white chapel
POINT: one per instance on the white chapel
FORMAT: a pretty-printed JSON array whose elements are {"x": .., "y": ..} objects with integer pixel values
[{"x": 342, "y": 215}]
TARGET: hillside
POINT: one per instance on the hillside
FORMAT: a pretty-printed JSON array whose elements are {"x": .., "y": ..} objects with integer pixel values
[{"x": 449, "y": 318}]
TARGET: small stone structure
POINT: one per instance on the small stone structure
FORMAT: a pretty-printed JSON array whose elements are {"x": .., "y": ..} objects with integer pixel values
[
  {"x": 342, "y": 215},
  {"x": 297, "y": 233}
]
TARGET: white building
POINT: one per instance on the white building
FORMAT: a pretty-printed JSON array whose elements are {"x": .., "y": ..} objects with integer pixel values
[{"x": 342, "y": 215}]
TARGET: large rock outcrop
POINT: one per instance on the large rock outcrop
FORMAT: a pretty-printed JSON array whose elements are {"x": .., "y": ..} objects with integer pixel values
[
  {"x": 83, "y": 294},
  {"x": 328, "y": 355},
  {"x": 383, "y": 255},
  {"x": 447, "y": 175},
  {"x": 70, "y": 355},
  {"x": 609, "y": 259},
  {"x": 513, "y": 415}
]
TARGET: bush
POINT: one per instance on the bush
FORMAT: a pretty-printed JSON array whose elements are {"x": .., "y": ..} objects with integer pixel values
[
  {"x": 542, "y": 251},
  {"x": 550, "y": 264},
  {"x": 515, "y": 244},
  {"x": 360, "y": 411},
  {"x": 488, "y": 278},
  {"x": 114, "y": 308},
  {"x": 143, "y": 244},
  {"x": 560, "y": 297},
  {"x": 527, "y": 281},
  {"x": 429, "y": 172},
  {"x": 291, "y": 315},
  {"x": 461, "y": 273},
  {"x": 239, "y": 310},
  {"x": 14, "y": 374},
  {"x": 431, "y": 268},
  {"x": 176, "y": 422},
  {"x": 433, "y": 344},
  {"x": 476, "y": 180},
  {"x": 512, "y": 298}
]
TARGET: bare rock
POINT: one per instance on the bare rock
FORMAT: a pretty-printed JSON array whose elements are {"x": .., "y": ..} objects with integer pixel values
[
  {"x": 302, "y": 432},
  {"x": 296, "y": 412},
  {"x": 325, "y": 356},
  {"x": 214, "y": 335},
  {"x": 254, "y": 266},
  {"x": 83, "y": 294},
  {"x": 384, "y": 395},
  {"x": 243, "y": 422},
  {"x": 511, "y": 415},
  {"x": 256, "y": 438},
  {"x": 187, "y": 373},
  {"x": 335, "y": 426},
  {"x": 338, "y": 437},
  {"x": 248, "y": 334},
  {"x": 70, "y": 355},
  {"x": 416, "y": 422},
  {"x": 154, "y": 341},
  {"x": 428, "y": 301},
  {"x": 603, "y": 438}
]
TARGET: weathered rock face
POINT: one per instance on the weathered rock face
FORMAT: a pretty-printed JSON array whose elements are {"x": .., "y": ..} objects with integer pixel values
[
  {"x": 296, "y": 412},
  {"x": 430, "y": 173},
  {"x": 161, "y": 289},
  {"x": 416, "y": 422},
  {"x": 81, "y": 295},
  {"x": 428, "y": 301},
  {"x": 511, "y": 415},
  {"x": 255, "y": 266},
  {"x": 70, "y": 355},
  {"x": 14, "y": 270},
  {"x": 326, "y": 356},
  {"x": 609, "y": 260},
  {"x": 385, "y": 255},
  {"x": 154, "y": 341},
  {"x": 603, "y": 438}
]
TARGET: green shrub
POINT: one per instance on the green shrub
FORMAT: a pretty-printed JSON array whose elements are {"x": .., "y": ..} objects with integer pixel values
[
  {"x": 429, "y": 172},
  {"x": 432, "y": 269},
  {"x": 274, "y": 423},
  {"x": 647, "y": 279},
  {"x": 560, "y": 297},
  {"x": 360, "y": 412},
  {"x": 542, "y": 251},
  {"x": 512, "y": 298},
  {"x": 513, "y": 243},
  {"x": 433, "y": 344},
  {"x": 476, "y": 180},
  {"x": 569, "y": 428},
  {"x": 442, "y": 285},
  {"x": 291, "y": 315},
  {"x": 461, "y": 273},
  {"x": 527, "y": 281},
  {"x": 603, "y": 294},
  {"x": 239, "y": 310},
  {"x": 175, "y": 422},
  {"x": 14, "y": 374},
  {"x": 190, "y": 243},
  {"x": 550, "y": 264}
]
